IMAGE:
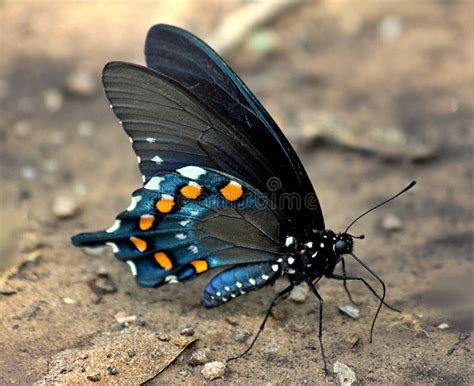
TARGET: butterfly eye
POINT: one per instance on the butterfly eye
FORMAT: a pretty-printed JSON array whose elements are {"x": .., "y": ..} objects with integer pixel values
[{"x": 341, "y": 245}]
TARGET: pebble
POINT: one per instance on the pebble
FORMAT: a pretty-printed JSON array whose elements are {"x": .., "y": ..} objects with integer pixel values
[
  {"x": 299, "y": 294},
  {"x": 122, "y": 317},
  {"x": 350, "y": 311},
  {"x": 28, "y": 173},
  {"x": 132, "y": 352},
  {"x": 279, "y": 313},
  {"x": 270, "y": 349},
  {"x": 443, "y": 326},
  {"x": 352, "y": 340},
  {"x": 112, "y": 370},
  {"x": 67, "y": 300},
  {"x": 240, "y": 335},
  {"x": 391, "y": 222},
  {"x": 53, "y": 100},
  {"x": 64, "y": 207},
  {"x": 199, "y": 357},
  {"x": 81, "y": 83},
  {"x": 94, "y": 377},
  {"x": 345, "y": 375},
  {"x": 390, "y": 29},
  {"x": 22, "y": 128},
  {"x": 164, "y": 337},
  {"x": 213, "y": 370},
  {"x": 187, "y": 331}
]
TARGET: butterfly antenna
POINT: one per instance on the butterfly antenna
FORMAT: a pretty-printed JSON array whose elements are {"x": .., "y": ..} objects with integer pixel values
[
  {"x": 382, "y": 299},
  {"x": 408, "y": 187}
]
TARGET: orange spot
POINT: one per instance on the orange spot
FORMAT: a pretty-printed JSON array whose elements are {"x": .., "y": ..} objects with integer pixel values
[
  {"x": 146, "y": 222},
  {"x": 139, "y": 243},
  {"x": 200, "y": 265},
  {"x": 163, "y": 260},
  {"x": 191, "y": 191},
  {"x": 232, "y": 191},
  {"x": 165, "y": 203}
]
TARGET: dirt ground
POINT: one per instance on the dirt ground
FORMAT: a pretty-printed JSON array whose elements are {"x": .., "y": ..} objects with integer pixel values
[{"x": 71, "y": 317}]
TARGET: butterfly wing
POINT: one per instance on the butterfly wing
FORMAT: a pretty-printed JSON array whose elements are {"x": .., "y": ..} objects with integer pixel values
[
  {"x": 185, "y": 223},
  {"x": 189, "y": 61}
]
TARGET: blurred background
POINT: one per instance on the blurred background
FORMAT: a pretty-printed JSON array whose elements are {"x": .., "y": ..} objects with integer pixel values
[{"x": 372, "y": 95}]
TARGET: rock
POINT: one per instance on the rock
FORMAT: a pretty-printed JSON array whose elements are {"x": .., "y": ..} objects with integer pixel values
[
  {"x": 112, "y": 370},
  {"x": 53, "y": 100},
  {"x": 94, "y": 377},
  {"x": 270, "y": 349},
  {"x": 28, "y": 173},
  {"x": 390, "y": 29},
  {"x": 240, "y": 335},
  {"x": 163, "y": 337},
  {"x": 187, "y": 331},
  {"x": 345, "y": 375},
  {"x": 391, "y": 223},
  {"x": 299, "y": 294},
  {"x": 350, "y": 311},
  {"x": 352, "y": 340},
  {"x": 213, "y": 370},
  {"x": 67, "y": 300},
  {"x": 64, "y": 207},
  {"x": 199, "y": 357},
  {"x": 443, "y": 326},
  {"x": 81, "y": 83},
  {"x": 122, "y": 317}
]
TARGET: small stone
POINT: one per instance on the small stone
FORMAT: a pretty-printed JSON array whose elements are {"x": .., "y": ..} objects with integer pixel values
[
  {"x": 390, "y": 28},
  {"x": 112, "y": 370},
  {"x": 443, "y": 326},
  {"x": 67, "y": 300},
  {"x": 187, "y": 331},
  {"x": 164, "y": 337},
  {"x": 352, "y": 340},
  {"x": 350, "y": 311},
  {"x": 391, "y": 222},
  {"x": 213, "y": 370},
  {"x": 81, "y": 83},
  {"x": 181, "y": 341},
  {"x": 22, "y": 129},
  {"x": 278, "y": 313},
  {"x": 302, "y": 328},
  {"x": 346, "y": 376},
  {"x": 240, "y": 335},
  {"x": 28, "y": 173},
  {"x": 94, "y": 377},
  {"x": 299, "y": 294},
  {"x": 270, "y": 349},
  {"x": 232, "y": 322},
  {"x": 6, "y": 289},
  {"x": 199, "y": 357},
  {"x": 132, "y": 352},
  {"x": 53, "y": 100},
  {"x": 64, "y": 207},
  {"x": 85, "y": 128},
  {"x": 122, "y": 317}
]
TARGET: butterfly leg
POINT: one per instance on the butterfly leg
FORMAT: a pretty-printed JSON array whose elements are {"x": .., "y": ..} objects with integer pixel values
[
  {"x": 320, "y": 334},
  {"x": 346, "y": 288},
  {"x": 359, "y": 278},
  {"x": 278, "y": 296}
]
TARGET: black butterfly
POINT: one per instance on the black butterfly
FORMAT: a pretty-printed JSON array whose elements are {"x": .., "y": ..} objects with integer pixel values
[{"x": 222, "y": 185}]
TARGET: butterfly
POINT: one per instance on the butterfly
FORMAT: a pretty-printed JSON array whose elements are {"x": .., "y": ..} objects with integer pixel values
[{"x": 222, "y": 186}]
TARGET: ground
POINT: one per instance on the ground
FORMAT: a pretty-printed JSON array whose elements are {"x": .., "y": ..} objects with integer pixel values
[{"x": 68, "y": 317}]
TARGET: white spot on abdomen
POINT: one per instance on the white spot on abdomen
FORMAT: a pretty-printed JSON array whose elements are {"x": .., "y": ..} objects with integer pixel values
[
  {"x": 114, "y": 246},
  {"x": 133, "y": 204},
  {"x": 114, "y": 227},
  {"x": 133, "y": 267}
]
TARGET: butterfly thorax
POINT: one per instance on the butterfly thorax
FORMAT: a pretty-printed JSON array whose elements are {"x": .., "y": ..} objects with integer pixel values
[{"x": 314, "y": 256}]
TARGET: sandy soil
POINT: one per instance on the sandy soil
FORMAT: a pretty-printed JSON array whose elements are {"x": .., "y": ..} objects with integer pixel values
[{"x": 377, "y": 64}]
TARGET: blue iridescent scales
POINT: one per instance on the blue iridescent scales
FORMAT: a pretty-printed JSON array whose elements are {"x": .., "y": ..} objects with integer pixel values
[{"x": 182, "y": 224}]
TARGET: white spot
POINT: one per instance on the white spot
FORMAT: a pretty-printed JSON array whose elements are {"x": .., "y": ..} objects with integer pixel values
[
  {"x": 157, "y": 160},
  {"x": 234, "y": 183},
  {"x": 184, "y": 222},
  {"x": 325, "y": 237},
  {"x": 252, "y": 281},
  {"x": 227, "y": 288},
  {"x": 309, "y": 265},
  {"x": 133, "y": 204},
  {"x": 265, "y": 277},
  {"x": 314, "y": 254},
  {"x": 193, "y": 249},
  {"x": 218, "y": 293},
  {"x": 279, "y": 260},
  {"x": 114, "y": 227},
  {"x": 233, "y": 295},
  {"x": 111, "y": 106},
  {"x": 334, "y": 238},
  {"x": 195, "y": 184},
  {"x": 130, "y": 139},
  {"x": 275, "y": 267},
  {"x": 194, "y": 212},
  {"x": 224, "y": 299},
  {"x": 289, "y": 240},
  {"x": 150, "y": 139},
  {"x": 192, "y": 172},
  {"x": 291, "y": 271},
  {"x": 139, "y": 159},
  {"x": 154, "y": 183},
  {"x": 213, "y": 297},
  {"x": 242, "y": 292},
  {"x": 171, "y": 279},
  {"x": 238, "y": 284},
  {"x": 120, "y": 122},
  {"x": 321, "y": 245},
  {"x": 115, "y": 249},
  {"x": 180, "y": 236},
  {"x": 290, "y": 260},
  {"x": 309, "y": 244},
  {"x": 133, "y": 267},
  {"x": 143, "y": 178}
]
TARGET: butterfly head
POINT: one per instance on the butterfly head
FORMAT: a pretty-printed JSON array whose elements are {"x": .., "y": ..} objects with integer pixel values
[{"x": 343, "y": 244}]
